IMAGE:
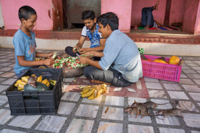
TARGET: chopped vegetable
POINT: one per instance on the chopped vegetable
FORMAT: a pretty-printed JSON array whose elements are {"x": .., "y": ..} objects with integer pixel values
[
  {"x": 54, "y": 55},
  {"x": 70, "y": 62}
]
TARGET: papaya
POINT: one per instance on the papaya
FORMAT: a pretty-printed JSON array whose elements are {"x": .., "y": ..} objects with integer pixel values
[
  {"x": 174, "y": 60},
  {"x": 160, "y": 61}
]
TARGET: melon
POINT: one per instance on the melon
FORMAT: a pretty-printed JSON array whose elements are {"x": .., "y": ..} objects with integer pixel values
[
  {"x": 160, "y": 61},
  {"x": 174, "y": 60}
]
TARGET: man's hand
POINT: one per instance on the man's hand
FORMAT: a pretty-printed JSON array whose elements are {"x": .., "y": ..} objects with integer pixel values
[
  {"x": 89, "y": 54},
  {"x": 77, "y": 47},
  {"x": 48, "y": 62},
  {"x": 50, "y": 54},
  {"x": 83, "y": 60},
  {"x": 83, "y": 50}
]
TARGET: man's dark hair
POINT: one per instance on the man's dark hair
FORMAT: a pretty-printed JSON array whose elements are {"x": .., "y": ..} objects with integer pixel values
[
  {"x": 109, "y": 18},
  {"x": 25, "y": 12},
  {"x": 88, "y": 14}
]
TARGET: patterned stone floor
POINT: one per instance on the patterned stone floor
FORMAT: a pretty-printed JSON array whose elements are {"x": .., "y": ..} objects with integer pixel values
[{"x": 80, "y": 115}]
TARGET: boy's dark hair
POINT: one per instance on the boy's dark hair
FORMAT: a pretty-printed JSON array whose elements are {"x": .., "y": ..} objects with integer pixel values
[
  {"x": 88, "y": 14},
  {"x": 25, "y": 12},
  {"x": 109, "y": 18}
]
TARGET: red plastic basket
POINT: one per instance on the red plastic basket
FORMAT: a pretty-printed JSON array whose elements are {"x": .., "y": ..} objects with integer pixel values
[{"x": 159, "y": 70}]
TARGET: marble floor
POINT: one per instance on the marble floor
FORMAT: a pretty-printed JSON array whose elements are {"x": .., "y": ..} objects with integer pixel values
[{"x": 106, "y": 113}]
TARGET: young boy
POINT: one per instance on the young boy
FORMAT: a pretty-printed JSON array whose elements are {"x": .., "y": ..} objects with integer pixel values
[
  {"x": 24, "y": 43},
  {"x": 120, "y": 63},
  {"x": 90, "y": 30}
]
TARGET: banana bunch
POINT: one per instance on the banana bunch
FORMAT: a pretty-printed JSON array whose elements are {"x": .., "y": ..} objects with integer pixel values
[{"x": 93, "y": 92}]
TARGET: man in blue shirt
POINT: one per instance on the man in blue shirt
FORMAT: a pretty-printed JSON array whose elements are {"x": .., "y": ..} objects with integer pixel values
[
  {"x": 120, "y": 63},
  {"x": 90, "y": 30}
]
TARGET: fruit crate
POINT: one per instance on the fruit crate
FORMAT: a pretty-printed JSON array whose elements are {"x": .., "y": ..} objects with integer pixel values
[
  {"x": 36, "y": 102},
  {"x": 160, "y": 70}
]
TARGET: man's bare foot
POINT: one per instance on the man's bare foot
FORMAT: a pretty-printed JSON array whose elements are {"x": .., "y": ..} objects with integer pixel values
[
  {"x": 156, "y": 6},
  {"x": 146, "y": 27},
  {"x": 99, "y": 82}
]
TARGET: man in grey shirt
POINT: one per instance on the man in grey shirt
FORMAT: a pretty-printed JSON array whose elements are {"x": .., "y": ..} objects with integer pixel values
[{"x": 120, "y": 63}]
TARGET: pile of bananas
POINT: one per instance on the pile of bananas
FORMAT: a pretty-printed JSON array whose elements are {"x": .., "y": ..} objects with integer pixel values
[
  {"x": 93, "y": 92},
  {"x": 24, "y": 80}
]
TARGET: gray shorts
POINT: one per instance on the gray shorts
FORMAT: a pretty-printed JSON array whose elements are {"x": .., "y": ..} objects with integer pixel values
[{"x": 109, "y": 76}]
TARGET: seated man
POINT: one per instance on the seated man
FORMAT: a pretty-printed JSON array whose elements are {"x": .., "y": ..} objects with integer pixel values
[
  {"x": 120, "y": 63},
  {"x": 147, "y": 17},
  {"x": 91, "y": 30}
]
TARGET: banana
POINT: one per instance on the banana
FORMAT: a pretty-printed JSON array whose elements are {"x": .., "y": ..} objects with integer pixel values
[
  {"x": 48, "y": 83},
  {"x": 93, "y": 95},
  {"x": 99, "y": 93},
  {"x": 33, "y": 75},
  {"x": 45, "y": 81},
  {"x": 19, "y": 85},
  {"x": 86, "y": 87},
  {"x": 21, "y": 82},
  {"x": 20, "y": 89},
  {"x": 25, "y": 78},
  {"x": 53, "y": 82},
  {"x": 85, "y": 91},
  {"x": 88, "y": 93},
  {"x": 39, "y": 79},
  {"x": 93, "y": 92}
]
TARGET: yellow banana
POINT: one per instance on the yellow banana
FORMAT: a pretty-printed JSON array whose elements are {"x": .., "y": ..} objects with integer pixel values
[
  {"x": 88, "y": 93},
  {"x": 21, "y": 82},
  {"x": 93, "y": 95},
  {"x": 19, "y": 85},
  {"x": 20, "y": 89},
  {"x": 39, "y": 79},
  {"x": 33, "y": 75},
  {"x": 86, "y": 87},
  {"x": 53, "y": 82},
  {"x": 48, "y": 84},
  {"x": 45, "y": 81},
  {"x": 85, "y": 91},
  {"x": 99, "y": 93},
  {"x": 25, "y": 78}
]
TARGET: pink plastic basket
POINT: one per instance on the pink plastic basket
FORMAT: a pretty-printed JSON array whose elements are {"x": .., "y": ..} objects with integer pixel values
[{"x": 160, "y": 70}]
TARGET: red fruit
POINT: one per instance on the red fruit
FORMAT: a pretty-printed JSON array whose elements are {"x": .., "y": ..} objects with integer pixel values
[
  {"x": 63, "y": 63},
  {"x": 149, "y": 60},
  {"x": 57, "y": 67},
  {"x": 59, "y": 58},
  {"x": 57, "y": 61}
]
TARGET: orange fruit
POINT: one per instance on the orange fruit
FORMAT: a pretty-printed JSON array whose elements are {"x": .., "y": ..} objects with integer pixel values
[{"x": 174, "y": 60}]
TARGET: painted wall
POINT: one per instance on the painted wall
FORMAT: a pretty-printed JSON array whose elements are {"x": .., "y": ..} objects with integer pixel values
[
  {"x": 122, "y": 9},
  {"x": 46, "y": 10},
  {"x": 197, "y": 25},
  {"x": 1, "y": 17},
  {"x": 177, "y": 11},
  {"x": 57, "y": 13},
  {"x": 190, "y": 16},
  {"x": 137, "y": 6}
]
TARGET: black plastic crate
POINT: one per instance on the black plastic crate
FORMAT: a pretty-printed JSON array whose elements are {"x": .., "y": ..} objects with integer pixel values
[{"x": 36, "y": 102}]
